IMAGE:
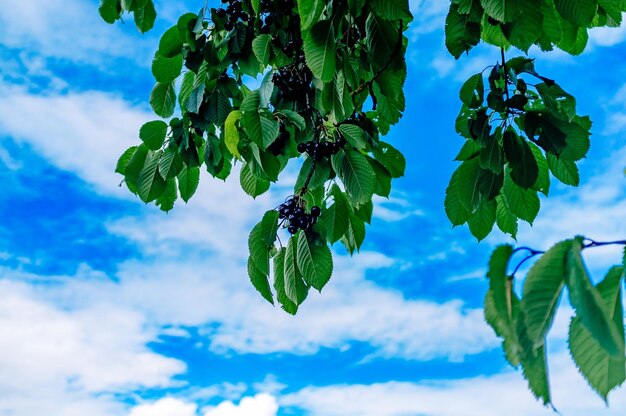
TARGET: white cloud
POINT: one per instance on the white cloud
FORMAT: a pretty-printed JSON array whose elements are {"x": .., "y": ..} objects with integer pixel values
[
  {"x": 607, "y": 36},
  {"x": 259, "y": 405},
  {"x": 496, "y": 395},
  {"x": 165, "y": 407},
  {"x": 82, "y": 132},
  {"x": 77, "y": 34},
  {"x": 62, "y": 359}
]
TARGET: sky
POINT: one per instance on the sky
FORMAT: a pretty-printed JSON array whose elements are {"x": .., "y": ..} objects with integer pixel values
[{"x": 111, "y": 307}]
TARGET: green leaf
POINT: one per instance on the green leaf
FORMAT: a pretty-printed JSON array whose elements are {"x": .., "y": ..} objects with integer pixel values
[
  {"x": 354, "y": 135},
  {"x": 468, "y": 184},
  {"x": 134, "y": 167},
  {"x": 295, "y": 119},
  {"x": 391, "y": 9},
  {"x": 588, "y": 303},
  {"x": 292, "y": 274},
  {"x": 505, "y": 219},
  {"x": 314, "y": 261},
  {"x": 543, "y": 179},
  {"x": 279, "y": 283},
  {"x": 524, "y": 203},
  {"x": 163, "y": 99},
  {"x": 461, "y": 33},
  {"x": 260, "y": 281},
  {"x": 231, "y": 133},
  {"x": 188, "y": 180},
  {"x": 564, "y": 170},
  {"x": 336, "y": 216},
  {"x": 171, "y": 163},
  {"x": 482, "y": 221},
  {"x": 355, "y": 236},
  {"x": 382, "y": 40},
  {"x": 261, "y": 241},
  {"x": 262, "y": 128},
  {"x": 171, "y": 44},
  {"x": 357, "y": 175},
  {"x": 491, "y": 155},
  {"x": 319, "y": 178},
  {"x": 391, "y": 158},
  {"x": 251, "y": 184},
  {"x": 524, "y": 169},
  {"x": 543, "y": 288},
  {"x": 150, "y": 185},
  {"x": 153, "y": 134},
  {"x": 503, "y": 10},
  {"x": 579, "y": 12},
  {"x": 310, "y": 12},
  {"x": 167, "y": 199},
  {"x": 110, "y": 10},
  {"x": 456, "y": 212},
  {"x": 262, "y": 48},
  {"x": 320, "y": 50},
  {"x": 602, "y": 371},
  {"x": 472, "y": 92},
  {"x": 145, "y": 16},
  {"x": 123, "y": 161}
]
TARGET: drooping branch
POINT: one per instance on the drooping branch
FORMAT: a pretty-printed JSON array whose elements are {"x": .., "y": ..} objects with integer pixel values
[{"x": 534, "y": 253}]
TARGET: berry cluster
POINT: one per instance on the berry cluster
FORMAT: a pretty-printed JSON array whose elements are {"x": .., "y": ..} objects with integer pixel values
[
  {"x": 298, "y": 219},
  {"x": 322, "y": 150},
  {"x": 294, "y": 81},
  {"x": 279, "y": 145},
  {"x": 277, "y": 15},
  {"x": 233, "y": 13}
]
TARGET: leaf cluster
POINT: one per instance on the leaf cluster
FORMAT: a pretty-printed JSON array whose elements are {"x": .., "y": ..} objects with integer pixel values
[
  {"x": 596, "y": 332},
  {"x": 330, "y": 72},
  {"x": 549, "y": 24},
  {"x": 517, "y": 136}
]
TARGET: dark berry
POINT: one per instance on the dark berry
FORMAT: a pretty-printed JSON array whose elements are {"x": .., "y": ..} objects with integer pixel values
[
  {"x": 292, "y": 229},
  {"x": 220, "y": 12},
  {"x": 316, "y": 211},
  {"x": 301, "y": 148},
  {"x": 228, "y": 26}
]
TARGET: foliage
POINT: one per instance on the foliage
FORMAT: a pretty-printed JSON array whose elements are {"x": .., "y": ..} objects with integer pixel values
[
  {"x": 332, "y": 76},
  {"x": 596, "y": 333}
]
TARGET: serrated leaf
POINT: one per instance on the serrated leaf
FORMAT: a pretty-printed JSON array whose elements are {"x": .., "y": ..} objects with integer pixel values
[
  {"x": 110, "y": 10},
  {"x": 320, "y": 50},
  {"x": 314, "y": 260},
  {"x": 145, "y": 16},
  {"x": 468, "y": 182},
  {"x": 309, "y": 11},
  {"x": 579, "y": 12},
  {"x": 163, "y": 99},
  {"x": 564, "y": 170},
  {"x": 251, "y": 184},
  {"x": 188, "y": 180},
  {"x": 588, "y": 303},
  {"x": 357, "y": 175},
  {"x": 472, "y": 92},
  {"x": 261, "y": 241},
  {"x": 456, "y": 212},
  {"x": 354, "y": 135},
  {"x": 262, "y": 48},
  {"x": 461, "y": 33},
  {"x": 505, "y": 219},
  {"x": 166, "y": 69},
  {"x": 167, "y": 199},
  {"x": 231, "y": 133},
  {"x": 391, "y": 158},
  {"x": 260, "y": 281},
  {"x": 292, "y": 274},
  {"x": 392, "y": 9},
  {"x": 353, "y": 239},
  {"x": 602, "y": 371},
  {"x": 481, "y": 222},
  {"x": 336, "y": 216},
  {"x": 524, "y": 203},
  {"x": 153, "y": 133},
  {"x": 524, "y": 169},
  {"x": 542, "y": 292},
  {"x": 150, "y": 185},
  {"x": 123, "y": 161}
]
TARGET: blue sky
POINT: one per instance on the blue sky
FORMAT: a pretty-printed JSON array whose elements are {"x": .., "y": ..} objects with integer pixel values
[{"x": 110, "y": 307}]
